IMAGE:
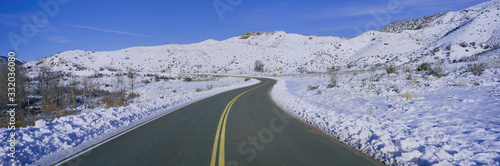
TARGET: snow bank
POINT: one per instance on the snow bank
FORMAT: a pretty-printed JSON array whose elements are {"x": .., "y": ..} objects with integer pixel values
[
  {"x": 49, "y": 142},
  {"x": 447, "y": 125}
]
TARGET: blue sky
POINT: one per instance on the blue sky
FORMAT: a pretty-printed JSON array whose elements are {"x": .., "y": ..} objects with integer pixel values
[{"x": 105, "y": 25}]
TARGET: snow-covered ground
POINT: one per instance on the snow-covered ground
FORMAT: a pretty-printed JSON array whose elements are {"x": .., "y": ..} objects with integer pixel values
[
  {"x": 47, "y": 142},
  {"x": 453, "y": 120}
]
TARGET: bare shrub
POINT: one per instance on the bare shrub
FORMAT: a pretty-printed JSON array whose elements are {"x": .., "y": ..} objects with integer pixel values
[
  {"x": 188, "y": 79},
  {"x": 131, "y": 76},
  {"x": 133, "y": 95},
  {"x": 390, "y": 69},
  {"x": 333, "y": 73},
  {"x": 117, "y": 97},
  {"x": 476, "y": 69},
  {"x": 258, "y": 66},
  {"x": 409, "y": 95},
  {"x": 460, "y": 83},
  {"x": 312, "y": 87},
  {"x": 333, "y": 80},
  {"x": 376, "y": 77},
  {"x": 438, "y": 71},
  {"x": 424, "y": 67},
  {"x": 107, "y": 100}
]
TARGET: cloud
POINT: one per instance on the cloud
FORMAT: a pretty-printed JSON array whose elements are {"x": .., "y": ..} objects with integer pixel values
[
  {"x": 325, "y": 13},
  {"x": 334, "y": 28},
  {"x": 47, "y": 31},
  {"x": 432, "y": 6},
  {"x": 107, "y": 30},
  {"x": 13, "y": 20},
  {"x": 440, "y": 4},
  {"x": 408, "y": 6},
  {"x": 58, "y": 39}
]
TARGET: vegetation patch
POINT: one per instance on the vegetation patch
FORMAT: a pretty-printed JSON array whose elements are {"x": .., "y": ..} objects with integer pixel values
[{"x": 476, "y": 69}]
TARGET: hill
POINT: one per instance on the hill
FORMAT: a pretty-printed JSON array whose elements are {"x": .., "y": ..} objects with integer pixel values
[{"x": 446, "y": 37}]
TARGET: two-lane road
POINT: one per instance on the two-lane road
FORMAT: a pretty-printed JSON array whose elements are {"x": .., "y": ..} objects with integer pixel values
[{"x": 239, "y": 127}]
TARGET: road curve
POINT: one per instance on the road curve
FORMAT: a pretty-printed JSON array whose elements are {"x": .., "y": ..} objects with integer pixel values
[{"x": 238, "y": 127}]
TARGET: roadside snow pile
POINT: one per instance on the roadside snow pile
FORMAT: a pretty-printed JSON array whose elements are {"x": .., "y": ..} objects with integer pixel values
[
  {"x": 48, "y": 142},
  {"x": 453, "y": 120}
]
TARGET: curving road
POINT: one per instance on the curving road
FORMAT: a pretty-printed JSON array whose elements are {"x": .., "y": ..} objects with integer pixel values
[{"x": 239, "y": 127}]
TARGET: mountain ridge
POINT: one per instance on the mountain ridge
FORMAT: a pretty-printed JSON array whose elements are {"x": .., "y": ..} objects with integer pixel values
[
  {"x": 441, "y": 39},
  {"x": 4, "y": 60}
]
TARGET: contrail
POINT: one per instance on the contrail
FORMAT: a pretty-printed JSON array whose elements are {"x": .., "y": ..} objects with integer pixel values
[{"x": 106, "y": 30}]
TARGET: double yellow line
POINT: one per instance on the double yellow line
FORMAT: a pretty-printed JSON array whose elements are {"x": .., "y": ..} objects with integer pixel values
[{"x": 221, "y": 130}]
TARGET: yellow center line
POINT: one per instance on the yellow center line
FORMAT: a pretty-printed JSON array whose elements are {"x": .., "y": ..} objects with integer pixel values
[
  {"x": 221, "y": 130},
  {"x": 216, "y": 141}
]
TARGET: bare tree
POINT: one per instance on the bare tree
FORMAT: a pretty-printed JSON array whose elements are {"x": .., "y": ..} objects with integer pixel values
[
  {"x": 73, "y": 90},
  {"x": 21, "y": 84},
  {"x": 57, "y": 92},
  {"x": 333, "y": 72},
  {"x": 87, "y": 86},
  {"x": 131, "y": 76},
  {"x": 119, "y": 91},
  {"x": 3, "y": 86},
  {"x": 50, "y": 90},
  {"x": 93, "y": 89},
  {"x": 258, "y": 66},
  {"x": 43, "y": 79},
  {"x": 25, "y": 117}
]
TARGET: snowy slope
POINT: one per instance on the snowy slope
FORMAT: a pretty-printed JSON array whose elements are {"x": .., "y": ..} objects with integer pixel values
[
  {"x": 445, "y": 37},
  {"x": 51, "y": 141},
  {"x": 452, "y": 120},
  {"x": 466, "y": 32},
  {"x": 410, "y": 24},
  {"x": 277, "y": 50},
  {"x": 374, "y": 118},
  {"x": 449, "y": 37}
]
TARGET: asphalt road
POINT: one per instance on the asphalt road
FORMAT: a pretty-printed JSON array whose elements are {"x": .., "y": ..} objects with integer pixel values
[{"x": 239, "y": 127}]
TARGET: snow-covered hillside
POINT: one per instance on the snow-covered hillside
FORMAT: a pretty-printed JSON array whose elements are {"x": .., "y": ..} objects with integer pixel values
[
  {"x": 404, "y": 118},
  {"x": 443, "y": 37}
]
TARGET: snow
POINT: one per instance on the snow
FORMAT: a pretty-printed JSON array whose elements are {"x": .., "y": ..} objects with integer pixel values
[
  {"x": 49, "y": 142},
  {"x": 451, "y": 120},
  {"x": 476, "y": 28}
]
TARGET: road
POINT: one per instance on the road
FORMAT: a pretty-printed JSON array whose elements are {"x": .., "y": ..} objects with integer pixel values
[{"x": 238, "y": 127}]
